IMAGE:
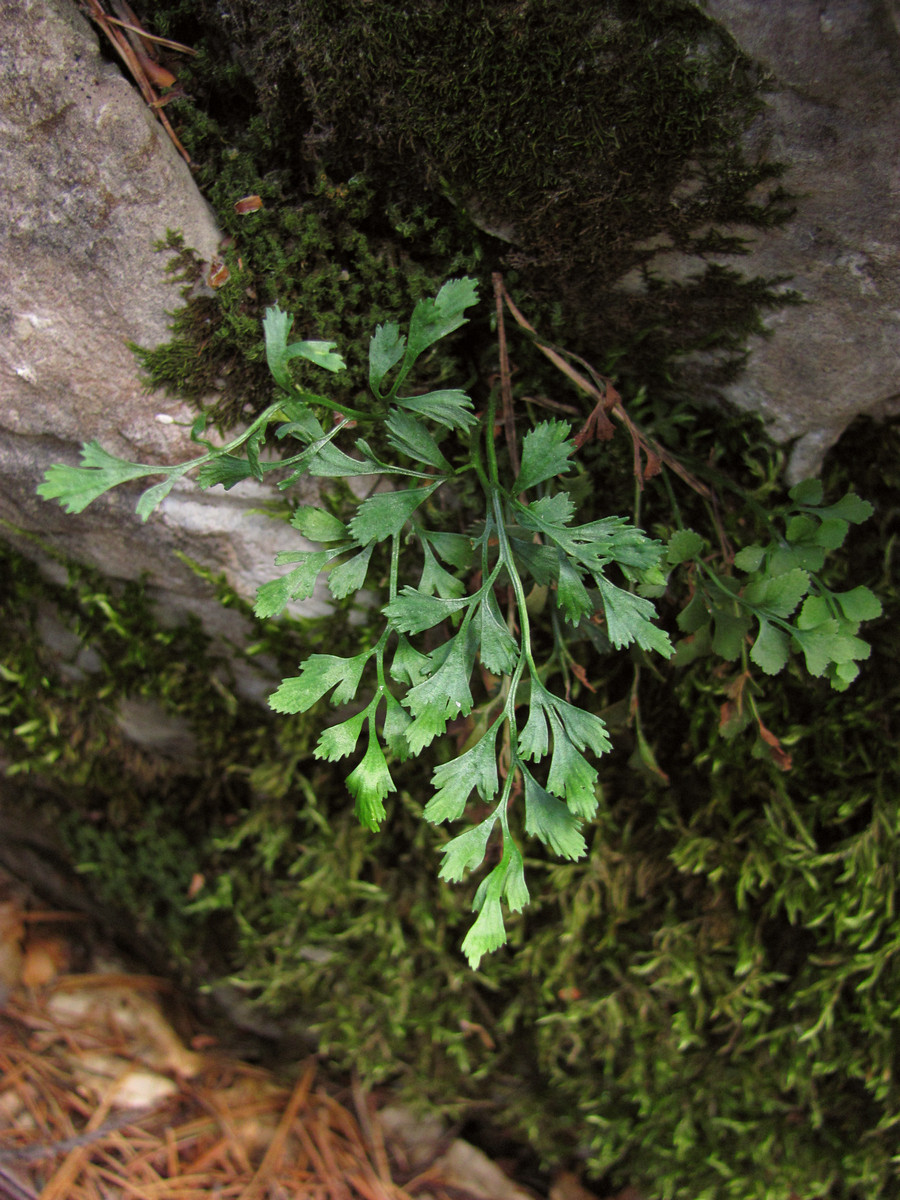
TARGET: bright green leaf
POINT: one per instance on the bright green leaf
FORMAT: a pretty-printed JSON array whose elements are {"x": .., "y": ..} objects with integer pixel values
[
  {"x": 784, "y": 592},
  {"x": 413, "y": 612},
  {"x": 815, "y": 611},
  {"x": 844, "y": 674},
  {"x": 253, "y": 445},
  {"x": 340, "y": 740},
  {"x": 683, "y": 544},
  {"x": 396, "y": 722},
  {"x": 386, "y": 348},
  {"x": 499, "y": 650},
  {"x": 384, "y": 514},
  {"x": 434, "y": 319},
  {"x": 454, "y": 780},
  {"x": 300, "y": 421},
  {"x": 226, "y": 469},
  {"x": 77, "y": 487},
  {"x": 448, "y": 406},
  {"x": 369, "y": 784},
  {"x": 550, "y": 820},
  {"x": 545, "y": 454},
  {"x": 534, "y": 740},
  {"x": 331, "y": 463},
  {"x": 801, "y": 529},
  {"x": 407, "y": 434},
  {"x": 571, "y": 776},
  {"x": 488, "y": 933},
  {"x": 540, "y": 562},
  {"x": 831, "y": 533},
  {"x": 613, "y": 539},
  {"x": 409, "y": 666},
  {"x": 154, "y": 496},
  {"x": 446, "y": 692},
  {"x": 454, "y": 548},
  {"x": 860, "y": 604},
  {"x": 435, "y": 579},
  {"x": 548, "y": 511},
  {"x": 806, "y": 555},
  {"x": 298, "y": 584},
  {"x": 276, "y": 327},
  {"x": 779, "y": 594},
  {"x": 825, "y": 644},
  {"x": 320, "y": 353},
  {"x": 466, "y": 852},
  {"x": 514, "y": 887},
  {"x": 571, "y": 594},
  {"x": 584, "y": 729},
  {"x": 424, "y": 728},
  {"x": 318, "y": 675},
  {"x": 750, "y": 558},
  {"x": 629, "y": 618},
  {"x": 849, "y": 508},
  {"x": 771, "y": 649},
  {"x": 318, "y": 525},
  {"x": 348, "y": 577},
  {"x": 807, "y": 491}
]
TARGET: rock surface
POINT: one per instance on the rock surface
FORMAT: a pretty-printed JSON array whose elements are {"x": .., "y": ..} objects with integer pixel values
[
  {"x": 834, "y": 117},
  {"x": 90, "y": 183}
]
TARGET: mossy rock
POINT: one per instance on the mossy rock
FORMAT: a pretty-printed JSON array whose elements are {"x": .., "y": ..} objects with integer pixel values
[
  {"x": 563, "y": 144},
  {"x": 706, "y": 1006}
]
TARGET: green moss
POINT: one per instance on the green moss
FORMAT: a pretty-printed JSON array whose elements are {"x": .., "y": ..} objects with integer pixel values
[
  {"x": 705, "y": 1007},
  {"x": 588, "y": 131},
  {"x": 387, "y": 146},
  {"x": 325, "y": 257},
  {"x": 71, "y": 654}
]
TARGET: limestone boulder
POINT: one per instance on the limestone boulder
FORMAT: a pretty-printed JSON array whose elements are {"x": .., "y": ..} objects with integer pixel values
[
  {"x": 834, "y": 117},
  {"x": 90, "y": 184}
]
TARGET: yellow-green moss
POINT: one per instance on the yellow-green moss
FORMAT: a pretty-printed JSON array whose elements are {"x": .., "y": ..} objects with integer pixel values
[{"x": 705, "y": 1007}]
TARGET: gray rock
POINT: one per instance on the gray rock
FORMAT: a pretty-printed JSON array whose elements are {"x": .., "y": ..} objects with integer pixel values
[
  {"x": 834, "y": 117},
  {"x": 90, "y": 181},
  {"x": 149, "y": 726}
]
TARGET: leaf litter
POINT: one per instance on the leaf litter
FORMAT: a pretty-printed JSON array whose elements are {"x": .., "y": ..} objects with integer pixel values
[{"x": 100, "y": 1098}]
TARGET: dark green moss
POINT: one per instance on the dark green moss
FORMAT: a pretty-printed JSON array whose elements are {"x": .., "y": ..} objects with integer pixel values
[{"x": 391, "y": 147}]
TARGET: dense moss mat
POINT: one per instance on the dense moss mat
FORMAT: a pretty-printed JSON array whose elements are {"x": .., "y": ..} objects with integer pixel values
[
  {"x": 563, "y": 144},
  {"x": 586, "y": 135},
  {"x": 706, "y": 1006}
]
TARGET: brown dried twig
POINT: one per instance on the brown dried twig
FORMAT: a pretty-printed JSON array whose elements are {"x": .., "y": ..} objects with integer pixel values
[
  {"x": 124, "y": 35},
  {"x": 506, "y": 392},
  {"x": 607, "y": 403}
]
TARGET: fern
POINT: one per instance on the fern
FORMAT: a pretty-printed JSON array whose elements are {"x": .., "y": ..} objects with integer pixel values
[{"x": 531, "y": 757}]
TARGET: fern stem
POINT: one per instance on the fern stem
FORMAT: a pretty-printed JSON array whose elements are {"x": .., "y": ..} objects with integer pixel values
[{"x": 489, "y": 438}]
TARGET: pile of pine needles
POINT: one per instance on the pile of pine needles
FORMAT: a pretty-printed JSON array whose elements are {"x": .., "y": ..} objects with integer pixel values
[{"x": 99, "y": 1098}]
